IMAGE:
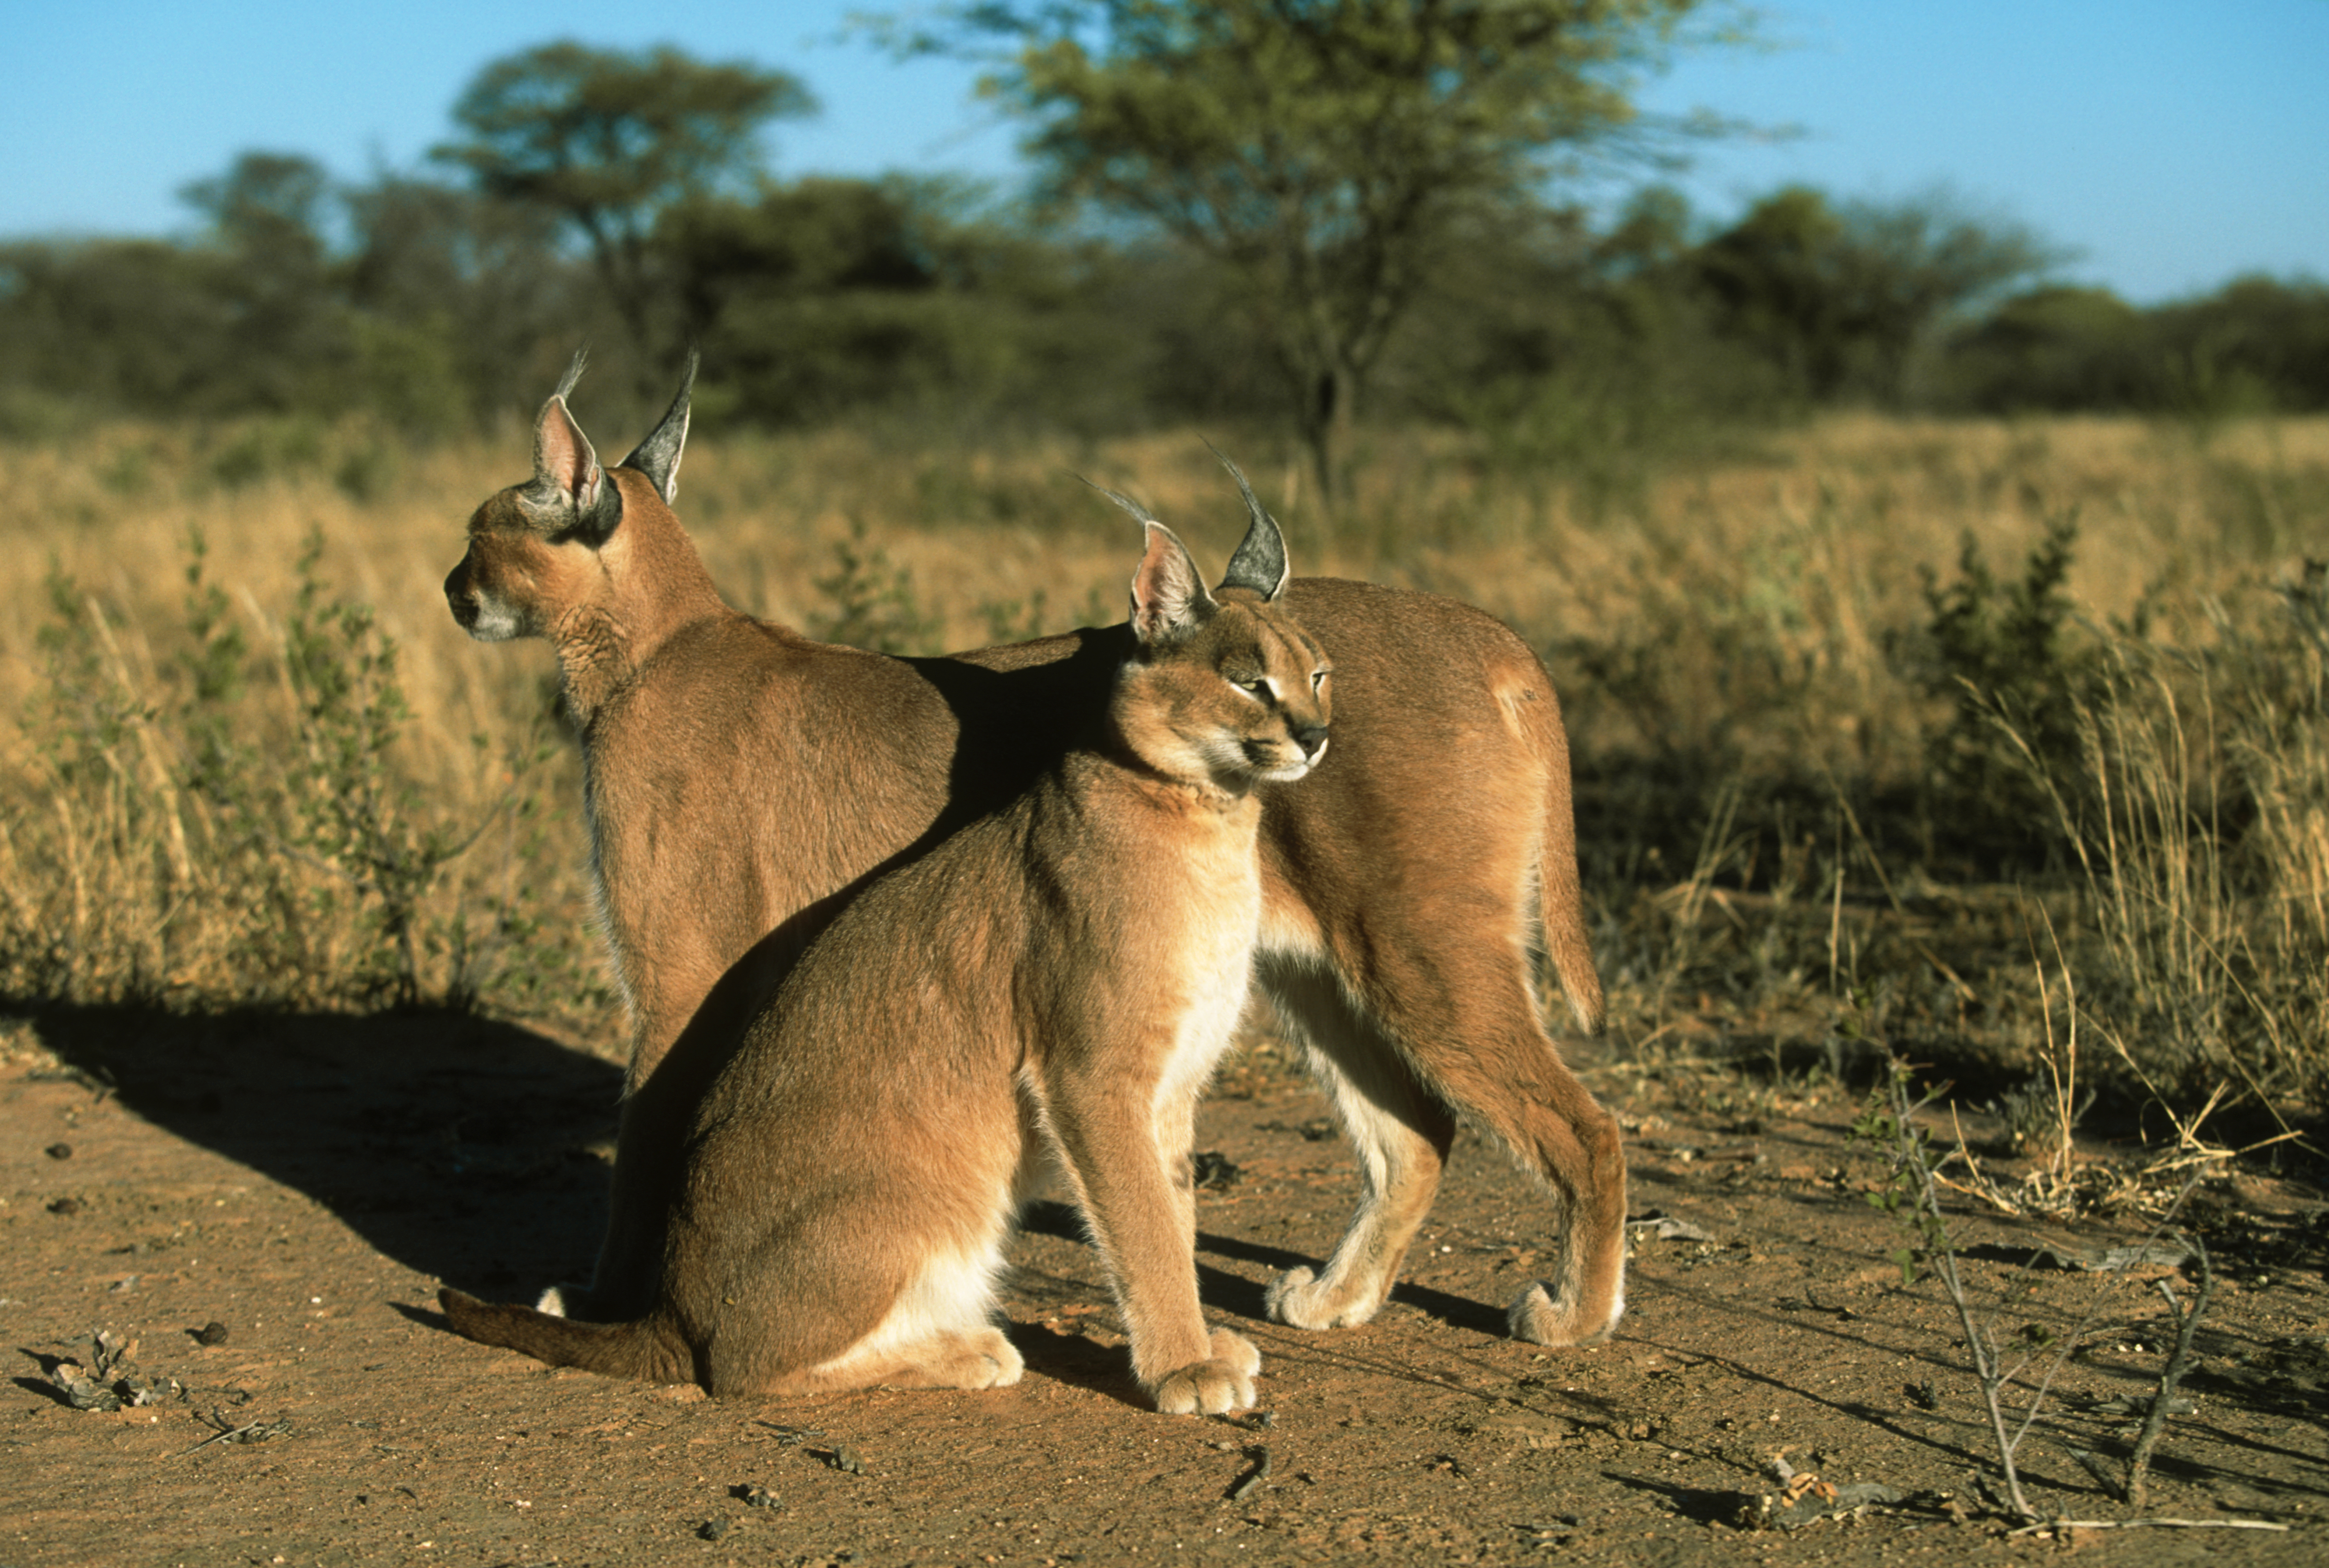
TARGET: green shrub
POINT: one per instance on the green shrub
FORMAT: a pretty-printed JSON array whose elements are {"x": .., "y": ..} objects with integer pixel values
[
  {"x": 2003, "y": 658},
  {"x": 874, "y": 604},
  {"x": 233, "y": 826}
]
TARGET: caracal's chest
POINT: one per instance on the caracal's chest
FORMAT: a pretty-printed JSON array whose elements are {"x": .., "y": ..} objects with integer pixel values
[{"x": 1205, "y": 924}]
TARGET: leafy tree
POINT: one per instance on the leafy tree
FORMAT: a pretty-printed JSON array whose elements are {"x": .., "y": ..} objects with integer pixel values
[
  {"x": 2060, "y": 346},
  {"x": 812, "y": 300},
  {"x": 268, "y": 206},
  {"x": 1331, "y": 151},
  {"x": 2256, "y": 343},
  {"x": 466, "y": 304},
  {"x": 241, "y": 319},
  {"x": 289, "y": 333},
  {"x": 832, "y": 297},
  {"x": 817, "y": 236},
  {"x": 1651, "y": 234},
  {"x": 1842, "y": 296},
  {"x": 132, "y": 324},
  {"x": 608, "y": 140},
  {"x": 1587, "y": 359}
]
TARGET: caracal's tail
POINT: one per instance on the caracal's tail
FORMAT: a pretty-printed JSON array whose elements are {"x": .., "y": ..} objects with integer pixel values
[{"x": 634, "y": 1349}]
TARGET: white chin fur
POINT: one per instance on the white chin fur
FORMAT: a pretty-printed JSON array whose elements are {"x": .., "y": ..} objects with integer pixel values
[
  {"x": 1231, "y": 766},
  {"x": 495, "y": 623}
]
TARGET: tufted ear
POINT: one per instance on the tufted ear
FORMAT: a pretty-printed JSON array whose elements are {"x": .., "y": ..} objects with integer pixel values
[
  {"x": 657, "y": 456},
  {"x": 1169, "y": 600},
  {"x": 569, "y": 494},
  {"x": 1260, "y": 562}
]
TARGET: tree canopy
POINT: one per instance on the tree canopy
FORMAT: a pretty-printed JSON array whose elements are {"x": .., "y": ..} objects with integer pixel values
[
  {"x": 268, "y": 205},
  {"x": 1844, "y": 295},
  {"x": 609, "y": 139},
  {"x": 1330, "y": 150}
]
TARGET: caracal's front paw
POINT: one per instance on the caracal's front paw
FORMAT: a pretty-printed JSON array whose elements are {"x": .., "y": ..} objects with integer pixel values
[
  {"x": 1298, "y": 1297},
  {"x": 1541, "y": 1319},
  {"x": 1215, "y": 1386}
]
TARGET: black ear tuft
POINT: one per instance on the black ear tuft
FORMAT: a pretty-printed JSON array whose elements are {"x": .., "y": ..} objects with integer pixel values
[
  {"x": 1126, "y": 501},
  {"x": 573, "y": 374},
  {"x": 1260, "y": 563},
  {"x": 659, "y": 456}
]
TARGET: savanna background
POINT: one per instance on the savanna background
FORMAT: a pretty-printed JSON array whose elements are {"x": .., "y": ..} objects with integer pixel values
[{"x": 1941, "y": 634}]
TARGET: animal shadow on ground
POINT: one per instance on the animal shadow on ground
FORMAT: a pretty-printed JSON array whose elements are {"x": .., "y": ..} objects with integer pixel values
[
  {"x": 476, "y": 1152},
  {"x": 469, "y": 1150},
  {"x": 1240, "y": 1296}
]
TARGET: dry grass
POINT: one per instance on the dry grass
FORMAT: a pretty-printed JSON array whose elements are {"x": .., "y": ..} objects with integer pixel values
[{"x": 1733, "y": 641}]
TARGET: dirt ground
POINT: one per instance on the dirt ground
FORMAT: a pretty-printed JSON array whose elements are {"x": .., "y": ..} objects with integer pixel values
[{"x": 305, "y": 1185}]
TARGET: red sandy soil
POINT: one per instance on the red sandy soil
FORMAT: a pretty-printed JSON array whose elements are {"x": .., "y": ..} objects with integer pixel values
[{"x": 308, "y": 1183}]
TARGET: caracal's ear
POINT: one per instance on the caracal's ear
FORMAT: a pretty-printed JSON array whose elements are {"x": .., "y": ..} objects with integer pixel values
[
  {"x": 1168, "y": 597},
  {"x": 657, "y": 456},
  {"x": 1260, "y": 562},
  {"x": 1169, "y": 600},
  {"x": 570, "y": 493}
]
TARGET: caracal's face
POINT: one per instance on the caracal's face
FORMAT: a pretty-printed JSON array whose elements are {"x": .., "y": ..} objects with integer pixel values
[
  {"x": 1283, "y": 679},
  {"x": 1245, "y": 702},
  {"x": 514, "y": 581}
]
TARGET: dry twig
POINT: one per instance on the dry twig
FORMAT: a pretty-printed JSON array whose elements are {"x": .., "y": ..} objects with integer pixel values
[{"x": 2179, "y": 1361}]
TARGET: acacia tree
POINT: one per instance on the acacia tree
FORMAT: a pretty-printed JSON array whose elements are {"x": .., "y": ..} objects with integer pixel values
[
  {"x": 270, "y": 278},
  {"x": 1841, "y": 296},
  {"x": 609, "y": 139},
  {"x": 1329, "y": 150}
]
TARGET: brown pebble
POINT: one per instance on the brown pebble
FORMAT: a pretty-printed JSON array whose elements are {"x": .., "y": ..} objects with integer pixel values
[
  {"x": 65, "y": 1207},
  {"x": 211, "y": 1333},
  {"x": 60, "y": 1151}
]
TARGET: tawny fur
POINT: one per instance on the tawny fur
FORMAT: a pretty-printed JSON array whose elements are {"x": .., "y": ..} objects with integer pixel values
[
  {"x": 743, "y": 780},
  {"x": 1052, "y": 986}
]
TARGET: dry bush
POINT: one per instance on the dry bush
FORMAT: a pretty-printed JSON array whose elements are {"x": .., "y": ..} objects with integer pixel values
[{"x": 2198, "y": 808}]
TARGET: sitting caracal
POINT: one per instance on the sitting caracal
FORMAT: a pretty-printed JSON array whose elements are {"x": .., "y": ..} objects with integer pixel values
[
  {"x": 1052, "y": 986},
  {"x": 743, "y": 781}
]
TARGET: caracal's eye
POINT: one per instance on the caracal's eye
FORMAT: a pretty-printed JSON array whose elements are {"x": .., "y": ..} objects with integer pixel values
[
  {"x": 1258, "y": 686},
  {"x": 1317, "y": 680}
]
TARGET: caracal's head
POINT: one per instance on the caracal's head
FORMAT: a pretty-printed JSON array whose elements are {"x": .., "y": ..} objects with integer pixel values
[
  {"x": 1226, "y": 688},
  {"x": 540, "y": 550}
]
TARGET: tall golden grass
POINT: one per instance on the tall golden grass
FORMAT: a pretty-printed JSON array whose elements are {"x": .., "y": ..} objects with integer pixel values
[{"x": 1732, "y": 637}]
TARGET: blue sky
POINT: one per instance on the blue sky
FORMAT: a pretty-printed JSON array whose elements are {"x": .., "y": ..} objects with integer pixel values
[{"x": 2170, "y": 146}]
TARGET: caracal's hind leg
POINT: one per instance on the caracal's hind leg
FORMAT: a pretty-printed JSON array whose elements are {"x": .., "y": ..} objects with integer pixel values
[
  {"x": 980, "y": 1357},
  {"x": 1398, "y": 1128},
  {"x": 1480, "y": 1043},
  {"x": 931, "y": 1327}
]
